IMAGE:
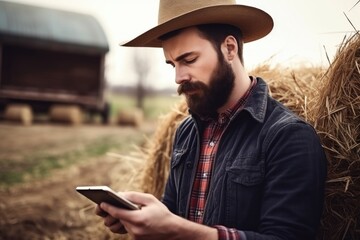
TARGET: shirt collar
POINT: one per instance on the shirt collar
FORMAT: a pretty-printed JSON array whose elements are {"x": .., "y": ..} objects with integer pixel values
[{"x": 229, "y": 113}]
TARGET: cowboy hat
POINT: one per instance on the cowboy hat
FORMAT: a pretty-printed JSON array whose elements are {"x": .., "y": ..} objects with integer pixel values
[{"x": 176, "y": 14}]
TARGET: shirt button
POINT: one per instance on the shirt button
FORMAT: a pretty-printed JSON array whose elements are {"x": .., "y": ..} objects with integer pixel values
[
  {"x": 205, "y": 175},
  {"x": 199, "y": 213},
  {"x": 212, "y": 144}
]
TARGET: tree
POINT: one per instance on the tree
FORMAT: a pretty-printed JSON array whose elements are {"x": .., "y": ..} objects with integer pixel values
[{"x": 142, "y": 68}]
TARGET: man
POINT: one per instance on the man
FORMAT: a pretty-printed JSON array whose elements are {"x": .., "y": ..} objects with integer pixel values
[{"x": 243, "y": 166}]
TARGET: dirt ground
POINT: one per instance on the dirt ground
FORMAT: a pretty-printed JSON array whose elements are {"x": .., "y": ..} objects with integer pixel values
[{"x": 50, "y": 208}]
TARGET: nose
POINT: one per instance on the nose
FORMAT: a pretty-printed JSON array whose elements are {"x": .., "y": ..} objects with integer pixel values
[{"x": 181, "y": 75}]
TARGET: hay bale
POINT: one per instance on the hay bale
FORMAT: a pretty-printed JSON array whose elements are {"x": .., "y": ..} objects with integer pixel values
[
  {"x": 295, "y": 88},
  {"x": 71, "y": 114},
  {"x": 336, "y": 116},
  {"x": 130, "y": 117},
  {"x": 20, "y": 113},
  {"x": 158, "y": 151}
]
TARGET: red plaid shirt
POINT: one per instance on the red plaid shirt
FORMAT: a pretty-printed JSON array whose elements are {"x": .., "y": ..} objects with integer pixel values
[{"x": 210, "y": 142}]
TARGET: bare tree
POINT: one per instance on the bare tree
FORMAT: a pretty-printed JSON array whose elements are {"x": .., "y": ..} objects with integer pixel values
[{"x": 142, "y": 68}]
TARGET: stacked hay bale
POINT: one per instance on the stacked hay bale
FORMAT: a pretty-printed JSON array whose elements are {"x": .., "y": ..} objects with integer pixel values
[
  {"x": 130, "y": 117},
  {"x": 69, "y": 114},
  {"x": 19, "y": 113}
]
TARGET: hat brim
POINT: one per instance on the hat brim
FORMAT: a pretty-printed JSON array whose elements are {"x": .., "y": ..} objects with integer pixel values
[{"x": 253, "y": 23}]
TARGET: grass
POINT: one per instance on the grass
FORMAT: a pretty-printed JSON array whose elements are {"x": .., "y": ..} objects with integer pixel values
[
  {"x": 153, "y": 105},
  {"x": 37, "y": 164},
  {"x": 40, "y": 165}
]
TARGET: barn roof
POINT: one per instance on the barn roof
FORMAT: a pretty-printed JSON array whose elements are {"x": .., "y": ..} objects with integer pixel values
[{"x": 39, "y": 24}]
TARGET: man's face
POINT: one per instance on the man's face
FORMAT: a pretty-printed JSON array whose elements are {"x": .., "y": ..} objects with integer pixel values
[{"x": 205, "y": 81}]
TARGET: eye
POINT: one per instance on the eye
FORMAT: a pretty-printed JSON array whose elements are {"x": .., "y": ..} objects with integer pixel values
[{"x": 190, "y": 61}]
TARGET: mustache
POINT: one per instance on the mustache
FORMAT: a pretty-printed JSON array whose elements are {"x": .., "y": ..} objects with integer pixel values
[{"x": 189, "y": 86}]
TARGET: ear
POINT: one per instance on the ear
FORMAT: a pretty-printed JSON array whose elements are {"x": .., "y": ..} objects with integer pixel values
[{"x": 229, "y": 48}]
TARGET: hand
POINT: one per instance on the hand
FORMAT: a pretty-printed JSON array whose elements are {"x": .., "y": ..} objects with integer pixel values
[
  {"x": 147, "y": 223},
  {"x": 154, "y": 221},
  {"x": 113, "y": 224}
]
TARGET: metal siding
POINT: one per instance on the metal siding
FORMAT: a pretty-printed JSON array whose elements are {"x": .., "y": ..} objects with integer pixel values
[{"x": 52, "y": 25}]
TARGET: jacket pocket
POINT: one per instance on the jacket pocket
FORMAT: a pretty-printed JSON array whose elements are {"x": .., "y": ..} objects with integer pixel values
[
  {"x": 248, "y": 171},
  {"x": 244, "y": 187},
  {"x": 247, "y": 175}
]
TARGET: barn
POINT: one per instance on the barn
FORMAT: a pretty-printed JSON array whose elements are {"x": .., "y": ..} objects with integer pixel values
[{"x": 51, "y": 58}]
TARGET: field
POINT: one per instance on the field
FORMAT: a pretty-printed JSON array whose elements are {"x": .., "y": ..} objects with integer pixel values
[{"x": 40, "y": 166}]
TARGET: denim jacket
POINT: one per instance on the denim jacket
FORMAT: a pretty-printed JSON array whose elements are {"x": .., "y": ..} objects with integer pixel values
[{"x": 268, "y": 176}]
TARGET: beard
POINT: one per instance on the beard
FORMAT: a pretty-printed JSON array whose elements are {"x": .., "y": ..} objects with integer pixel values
[{"x": 204, "y": 100}]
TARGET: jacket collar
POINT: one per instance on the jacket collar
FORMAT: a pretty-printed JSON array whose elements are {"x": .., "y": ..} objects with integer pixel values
[{"x": 257, "y": 101}]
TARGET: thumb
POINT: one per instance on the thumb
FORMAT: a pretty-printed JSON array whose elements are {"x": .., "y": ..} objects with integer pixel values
[{"x": 139, "y": 198}]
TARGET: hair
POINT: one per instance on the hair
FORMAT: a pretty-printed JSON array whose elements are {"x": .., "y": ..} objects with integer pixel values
[{"x": 216, "y": 34}]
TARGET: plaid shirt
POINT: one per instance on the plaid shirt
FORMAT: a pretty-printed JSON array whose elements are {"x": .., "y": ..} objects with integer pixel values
[{"x": 210, "y": 143}]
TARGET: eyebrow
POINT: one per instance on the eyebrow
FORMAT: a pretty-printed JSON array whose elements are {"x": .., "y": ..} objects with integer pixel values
[{"x": 181, "y": 57}]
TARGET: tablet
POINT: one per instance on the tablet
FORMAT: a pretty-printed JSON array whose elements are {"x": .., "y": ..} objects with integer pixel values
[{"x": 99, "y": 194}]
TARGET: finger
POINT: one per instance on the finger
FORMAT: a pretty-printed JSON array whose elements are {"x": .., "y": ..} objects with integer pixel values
[
  {"x": 100, "y": 212},
  {"x": 118, "y": 227},
  {"x": 115, "y": 212},
  {"x": 109, "y": 221}
]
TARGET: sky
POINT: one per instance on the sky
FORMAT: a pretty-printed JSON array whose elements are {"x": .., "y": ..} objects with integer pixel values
[{"x": 304, "y": 33}]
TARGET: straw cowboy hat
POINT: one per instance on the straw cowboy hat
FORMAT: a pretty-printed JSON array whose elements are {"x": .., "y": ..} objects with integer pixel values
[{"x": 176, "y": 14}]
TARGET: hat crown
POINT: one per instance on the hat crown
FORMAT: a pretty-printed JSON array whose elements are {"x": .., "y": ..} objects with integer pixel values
[{"x": 169, "y": 9}]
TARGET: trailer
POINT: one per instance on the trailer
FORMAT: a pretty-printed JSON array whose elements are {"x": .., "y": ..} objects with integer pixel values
[{"x": 51, "y": 59}]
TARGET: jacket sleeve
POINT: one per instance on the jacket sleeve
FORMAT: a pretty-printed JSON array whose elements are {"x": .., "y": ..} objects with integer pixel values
[
  {"x": 170, "y": 192},
  {"x": 170, "y": 195}
]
